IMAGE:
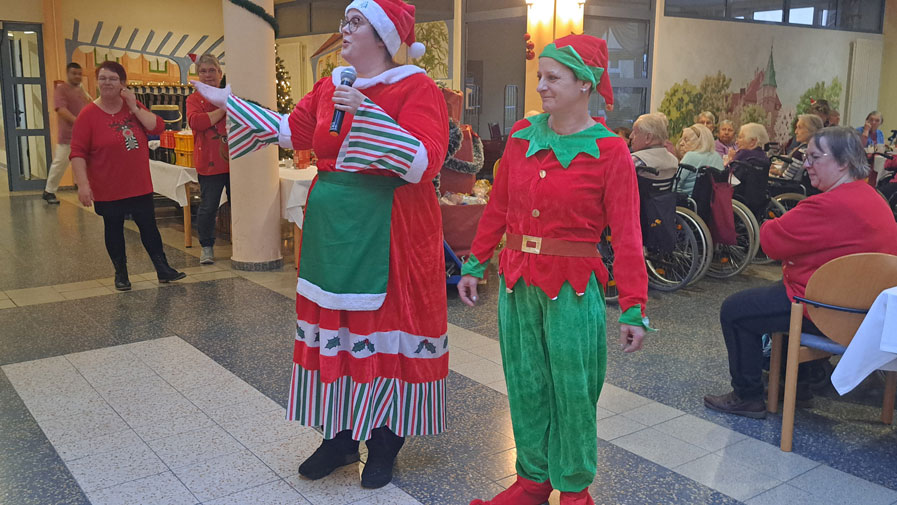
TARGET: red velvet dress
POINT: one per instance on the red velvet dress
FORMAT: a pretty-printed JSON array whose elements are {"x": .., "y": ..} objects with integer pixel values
[{"x": 361, "y": 369}]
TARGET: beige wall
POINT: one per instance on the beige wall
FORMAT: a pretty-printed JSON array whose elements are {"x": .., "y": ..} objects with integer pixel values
[
  {"x": 21, "y": 10},
  {"x": 499, "y": 45},
  {"x": 887, "y": 97}
]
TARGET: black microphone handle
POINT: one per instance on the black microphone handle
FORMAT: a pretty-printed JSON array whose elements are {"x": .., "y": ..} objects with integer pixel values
[{"x": 337, "y": 123}]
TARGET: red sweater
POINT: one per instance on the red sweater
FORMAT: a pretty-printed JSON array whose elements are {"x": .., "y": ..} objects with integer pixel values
[
  {"x": 115, "y": 149},
  {"x": 851, "y": 218},
  {"x": 210, "y": 154},
  {"x": 574, "y": 203}
]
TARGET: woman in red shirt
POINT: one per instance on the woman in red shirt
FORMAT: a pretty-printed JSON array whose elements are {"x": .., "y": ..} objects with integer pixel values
[
  {"x": 209, "y": 154},
  {"x": 110, "y": 160},
  {"x": 848, "y": 217}
]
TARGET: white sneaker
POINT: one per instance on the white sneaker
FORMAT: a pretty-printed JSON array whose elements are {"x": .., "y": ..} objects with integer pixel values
[{"x": 207, "y": 257}]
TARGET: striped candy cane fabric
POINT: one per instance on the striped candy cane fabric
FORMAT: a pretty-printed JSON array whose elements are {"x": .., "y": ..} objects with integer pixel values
[
  {"x": 376, "y": 141},
  {"x": 406, "y": 408},
  {"x": 250, "y": 127}
]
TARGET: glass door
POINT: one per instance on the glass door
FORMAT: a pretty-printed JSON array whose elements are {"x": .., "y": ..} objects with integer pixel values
[{"x": 23, "y": 91}]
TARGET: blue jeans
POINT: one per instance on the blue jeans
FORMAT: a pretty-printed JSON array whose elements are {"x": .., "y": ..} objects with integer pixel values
[{"x": 210, "y": 187}]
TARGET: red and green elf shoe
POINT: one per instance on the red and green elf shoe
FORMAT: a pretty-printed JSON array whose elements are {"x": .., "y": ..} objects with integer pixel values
[
  {"x": 522, "y": 492},
  {"x": 581, "y": 498}
]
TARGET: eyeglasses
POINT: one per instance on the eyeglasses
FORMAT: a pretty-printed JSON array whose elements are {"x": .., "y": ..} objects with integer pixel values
[
  {"x": 811, "y": 159},
  {"x": 350, "y": 25}
]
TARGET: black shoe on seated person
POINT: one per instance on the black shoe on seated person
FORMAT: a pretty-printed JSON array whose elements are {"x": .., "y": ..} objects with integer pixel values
[{"x": 731, "y": 404}]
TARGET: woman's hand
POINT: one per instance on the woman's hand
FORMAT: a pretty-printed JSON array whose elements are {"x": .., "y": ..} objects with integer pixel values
[
  {"x": 130, "y": 99},
  {"x": 630, "y": 336},
  {"x": 467, "y": 289},
  {"x": 215, "y": 96},
  {"x": 85, "y": 195},
  {"x": 347, "y": 99}
]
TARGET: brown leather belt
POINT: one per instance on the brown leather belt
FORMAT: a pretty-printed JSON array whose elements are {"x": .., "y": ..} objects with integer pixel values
[{"x": 551, "y": 246}]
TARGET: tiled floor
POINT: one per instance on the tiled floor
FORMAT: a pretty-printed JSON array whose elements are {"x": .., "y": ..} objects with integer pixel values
[{"x": 175, "y": 394}]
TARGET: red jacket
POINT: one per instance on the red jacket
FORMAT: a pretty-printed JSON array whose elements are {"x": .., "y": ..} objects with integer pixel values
[
  {"x": 574, "y": 203},
  {"x": 210, "y": 155},
  {"x": 851, "y": 218}
]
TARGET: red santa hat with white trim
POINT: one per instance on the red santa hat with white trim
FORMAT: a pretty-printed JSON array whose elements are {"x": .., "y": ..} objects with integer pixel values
[{"x": 393, "y": 21}]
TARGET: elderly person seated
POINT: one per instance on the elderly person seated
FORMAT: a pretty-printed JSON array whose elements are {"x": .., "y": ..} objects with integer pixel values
[
  {"x": 869, "y": 132},
  {"x": 807, "y": 125},
  {"x": 749, "y": 145},
  {"x": 803, "y": 239},
  {"x": 649, "y": 133},
  {"x": 707, "y": 119},
  {"x": 725, "y": 142},
  {"x": 698, "y": 150}
]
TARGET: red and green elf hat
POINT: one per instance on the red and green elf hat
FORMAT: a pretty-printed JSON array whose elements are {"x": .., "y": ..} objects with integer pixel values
[{"x": 586, "y": 56}]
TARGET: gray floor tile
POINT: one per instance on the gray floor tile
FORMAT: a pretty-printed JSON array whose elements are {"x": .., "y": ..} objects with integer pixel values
[
  {"x": 116, "y": 467},
  {"x": 272, "y": 493},
  {"x": 161, "y": 489},
  {"x": 824, "y": 481},
  {"x": 616, "y": 426},
  {"x": 785, "y": 494},
  {"x": 727, "y": 476},
  {"x": 652, "y": 413},
  {"x": 194, "y": 447},
  {"x": 225, "y": 475},
  {"x": 659, "y": 447},
  {"x": 768, "y": 459},
  {"x": 699, "y": 432}
]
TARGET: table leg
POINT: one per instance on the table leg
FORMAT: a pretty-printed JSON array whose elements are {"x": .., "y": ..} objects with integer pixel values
[{"x": 188, "y": 224}]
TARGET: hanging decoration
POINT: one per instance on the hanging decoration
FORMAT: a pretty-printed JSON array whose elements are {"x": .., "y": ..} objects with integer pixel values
[{"x": 260, "y": 12}]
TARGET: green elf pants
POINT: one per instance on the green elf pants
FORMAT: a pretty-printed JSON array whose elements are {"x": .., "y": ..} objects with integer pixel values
[{"x": 555, "y": 356}]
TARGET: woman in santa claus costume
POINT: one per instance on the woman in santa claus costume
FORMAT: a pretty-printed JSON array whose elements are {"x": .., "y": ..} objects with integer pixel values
[
  {"x": 370, "y": 356},
  {"x": 563, "y": 178}
]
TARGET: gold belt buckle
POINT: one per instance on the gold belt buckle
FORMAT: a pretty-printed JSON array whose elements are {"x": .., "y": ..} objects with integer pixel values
[{"x": 532, "y": 245}]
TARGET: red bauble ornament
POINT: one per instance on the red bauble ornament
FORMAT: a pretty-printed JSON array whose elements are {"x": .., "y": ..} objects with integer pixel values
[
  {"x": 526, "y": 36},
  {"x": 530, "y": 55},
  {"x": 530, "y": 45}
]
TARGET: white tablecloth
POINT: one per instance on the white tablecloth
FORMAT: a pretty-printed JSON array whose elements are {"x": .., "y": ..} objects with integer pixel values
[
  {"x": 170, "y": 180},
  {"x": 294, "y": 185},
  {"x": 874, "y": 347}
]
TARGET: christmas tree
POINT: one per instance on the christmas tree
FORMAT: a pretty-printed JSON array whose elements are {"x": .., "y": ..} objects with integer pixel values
[{"x": 284, "y": 98}]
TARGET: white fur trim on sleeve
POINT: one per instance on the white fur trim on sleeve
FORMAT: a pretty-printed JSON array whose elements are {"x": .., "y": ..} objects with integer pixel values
[{"x": 284, "y": 135}]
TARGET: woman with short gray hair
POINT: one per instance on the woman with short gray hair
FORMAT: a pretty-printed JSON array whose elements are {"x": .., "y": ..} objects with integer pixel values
[
  {"x": 807, "y": 126},
  {"x": 848, "y": 217},
  {"x": 749, "y": 145}
]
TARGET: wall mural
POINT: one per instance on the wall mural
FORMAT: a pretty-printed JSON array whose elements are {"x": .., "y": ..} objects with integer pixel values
[{"x": 757, "y": 102}]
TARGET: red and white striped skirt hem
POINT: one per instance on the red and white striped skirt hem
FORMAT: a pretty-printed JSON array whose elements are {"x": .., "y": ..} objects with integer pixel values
[{"x": 406, "y": 408}]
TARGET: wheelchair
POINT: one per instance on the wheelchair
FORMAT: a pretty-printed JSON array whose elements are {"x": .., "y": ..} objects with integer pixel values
[
  {"x": 788, "y": 193},
  {"x": 674, "y": 255},
  {"x": 725, "y": 260},
  {"x": 754, "y": 192}
]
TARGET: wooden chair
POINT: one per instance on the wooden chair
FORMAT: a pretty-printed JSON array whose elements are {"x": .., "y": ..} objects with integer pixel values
[
  {"x": 495, "y": 168},
  {"x": 837, "y": 298}
]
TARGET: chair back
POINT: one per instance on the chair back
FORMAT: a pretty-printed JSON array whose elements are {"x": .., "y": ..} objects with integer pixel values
[
  {"x": 495, "y": 131},
  {"x": 852, "y": 281}
]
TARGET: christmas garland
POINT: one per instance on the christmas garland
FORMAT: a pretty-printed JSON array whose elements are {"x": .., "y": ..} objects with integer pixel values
[
  {"x": 258, "y": 11},
  {"x": 455, "y": 139}
]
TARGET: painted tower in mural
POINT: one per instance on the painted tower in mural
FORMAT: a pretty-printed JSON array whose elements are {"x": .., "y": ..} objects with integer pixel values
[{"x": 760, "y": 95}]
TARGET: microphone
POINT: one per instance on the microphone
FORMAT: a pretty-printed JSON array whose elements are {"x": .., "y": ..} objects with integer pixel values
[{"x": 347, "y": 78}]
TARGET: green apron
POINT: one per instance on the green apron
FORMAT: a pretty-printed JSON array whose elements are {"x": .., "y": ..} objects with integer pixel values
[{"x": 344, "y": 262}]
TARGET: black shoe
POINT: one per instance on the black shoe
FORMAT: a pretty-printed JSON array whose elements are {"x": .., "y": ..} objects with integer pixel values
[
  {"x": 383, "y": 447},
  {"x": 732, "y": 404},
  {"x": 50, "y": 198},
  {"x": 121, "y": 275},
  {"x": 332, "y": 454},
  {"x": 164, "y": 271}
]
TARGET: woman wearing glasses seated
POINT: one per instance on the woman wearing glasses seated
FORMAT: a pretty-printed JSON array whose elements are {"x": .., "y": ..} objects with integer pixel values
[
  {"x": 847, "y": 217},
  {"x": 370, "y": 356},
  {"x": 807, "y": 125}
]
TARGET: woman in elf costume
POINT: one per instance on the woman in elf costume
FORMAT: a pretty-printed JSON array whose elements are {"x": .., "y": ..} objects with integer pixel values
[
  {"x": 563, "y": 178},
  {"x": 370, "y": 356}
]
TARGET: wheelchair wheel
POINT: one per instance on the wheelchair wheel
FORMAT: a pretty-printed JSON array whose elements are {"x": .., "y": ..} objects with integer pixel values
[
  {"x": 702, "y": 235},
  {"x": 789, "y": 200},
  {"x": 675, "y": 269},
  {"x": 730, "y": 260},
  {"x": 773, "y": 210},
  {"x": 607, "y": 256}
]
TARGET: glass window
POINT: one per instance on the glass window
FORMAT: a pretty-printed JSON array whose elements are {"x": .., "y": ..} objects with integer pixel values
[
  {"x": 511, "y": 115},
  {"x": 629, "y": 104},
  {"x": 696, "y": 8},
  {"x": 754, "y": 10},
  {"x": 627, "y": 45},
  {"x": 853, "y": 15}
]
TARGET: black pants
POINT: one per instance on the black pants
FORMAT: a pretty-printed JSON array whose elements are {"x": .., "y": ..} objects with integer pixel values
[
  {"x": 745, "y": 317},
  {"x": 210, "y": 187},
  {"x": 140, "y": 209}
]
